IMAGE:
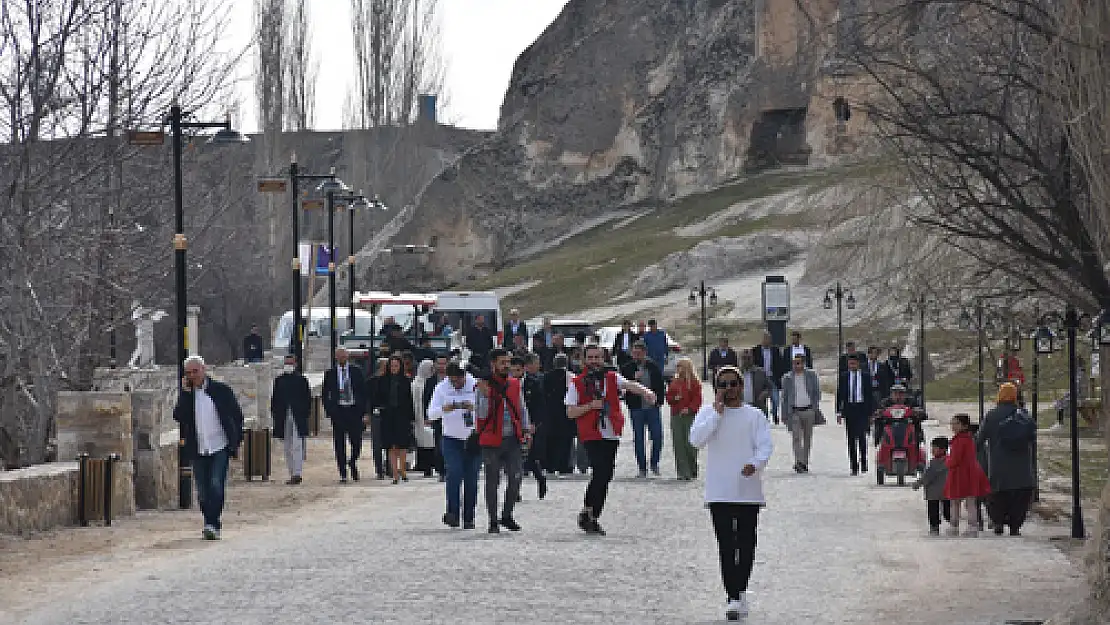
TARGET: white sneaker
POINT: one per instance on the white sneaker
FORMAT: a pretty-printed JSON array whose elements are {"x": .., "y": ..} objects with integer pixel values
[{"x": 737, "y": 609}]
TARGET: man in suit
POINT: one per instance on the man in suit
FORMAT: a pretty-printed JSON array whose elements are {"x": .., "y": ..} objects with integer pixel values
[
  {"x": 252, "y": 346},
  {"x": 479, "y": 340},
  {"x": 801, "y": 400},
  {"x": 849, "y": 351},
  {"x": 880, "y": 375},
  {"x": 290, "y": 403},
  {"x": 345, "y": 401},
  {"x": 437, "y": 424},
  {"x": 543, "y": 339},
  {"x": 757, "y": 386},
  {"x": 535, "y": 399},
  {"x": 645, "y": 415},
  {"x": 796, "y": 347},
  {"x": 515, "y": 327},
  {"x": 774, "y": 365},
  {"x": 211, "y": 425},
  {"x": 854, "y": 405},
  {"x": 548, "y": 353},
  {"x": 622, "y": 344},
  {"x": 723, "y": 355},
  {"x": 899, "y": 367}
]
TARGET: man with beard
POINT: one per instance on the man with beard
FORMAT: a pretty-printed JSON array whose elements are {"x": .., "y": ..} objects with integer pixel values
[
  {"x": 593, "y": 400},
  {"x": 502, "y": 426},
  {"x": 645, "y": 416},
  {"x": 452, "y": 405}
]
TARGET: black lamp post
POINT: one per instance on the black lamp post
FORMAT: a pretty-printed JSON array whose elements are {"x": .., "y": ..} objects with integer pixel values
[
  {"x": 985, "y": 322},
  {"x": 225, "y": 136},
  {"x": 703, "y": 292},
  {"x": 842, "y": 296},
  {"x": 296, "y": 342},
  {"x": 331, "y": 188},
  {"x": 359, "y": 202},
  {"x": 922, "y": 304}
]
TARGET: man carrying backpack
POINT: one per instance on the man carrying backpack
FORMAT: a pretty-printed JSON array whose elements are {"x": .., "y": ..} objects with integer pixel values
[{"x": 1011, "y": 438}]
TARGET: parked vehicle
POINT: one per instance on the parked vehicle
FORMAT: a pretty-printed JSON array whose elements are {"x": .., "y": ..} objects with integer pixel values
[{"x": 455, "y": 312}]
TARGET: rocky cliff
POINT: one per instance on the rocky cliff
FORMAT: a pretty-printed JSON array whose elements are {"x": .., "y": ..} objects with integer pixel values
[{"x": 627, "y": 103}]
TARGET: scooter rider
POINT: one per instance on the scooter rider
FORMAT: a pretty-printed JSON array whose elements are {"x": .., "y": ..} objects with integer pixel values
[{"x": 898, "y": 398}]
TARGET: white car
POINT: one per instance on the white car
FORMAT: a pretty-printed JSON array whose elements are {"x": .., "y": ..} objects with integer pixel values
[{"x": 608, "y": 334}]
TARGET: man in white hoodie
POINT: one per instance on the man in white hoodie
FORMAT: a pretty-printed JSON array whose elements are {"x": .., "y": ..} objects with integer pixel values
[{"x": 737, "y": 440}]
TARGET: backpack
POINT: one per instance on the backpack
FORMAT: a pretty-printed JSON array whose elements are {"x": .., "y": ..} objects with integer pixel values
[{"x": 1017, "y": 431}]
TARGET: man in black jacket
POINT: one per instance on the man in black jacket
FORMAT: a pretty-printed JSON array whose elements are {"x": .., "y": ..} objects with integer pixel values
[
  {"x": 211, "y": 424},
  {"x": 252, "y": 346},
  {"x": 515, "y": 327},
  {"x": 722, "y": 356},
  {"x": 622, "y": 344},
  {"x": 290, "y": 403},
  {"x": 775, "y": 364},
  {"x": 560, "y": 438},
  {"x": 854, "y": 405},
  {"x": 480, "y": 341},
  {"x": 849, "y": 351},
  {"x": 344, "y": 398},
  {"x": 536, "y": 401},
  {"x": 644, "y": 371},
  {"x": 900, "y": 370}
]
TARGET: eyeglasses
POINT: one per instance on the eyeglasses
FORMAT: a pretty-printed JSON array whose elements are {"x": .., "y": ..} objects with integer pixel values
[{"x": 728, "y": 383}]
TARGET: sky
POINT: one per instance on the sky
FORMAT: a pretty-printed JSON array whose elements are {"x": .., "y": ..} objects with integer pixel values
[{"x": 481, "y": 41}]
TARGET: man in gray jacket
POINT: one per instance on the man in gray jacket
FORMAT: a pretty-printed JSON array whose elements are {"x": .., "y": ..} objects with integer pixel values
[{"x": 801, "y": 400}]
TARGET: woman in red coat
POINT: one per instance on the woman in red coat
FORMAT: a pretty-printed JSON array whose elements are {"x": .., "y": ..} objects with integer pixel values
[
  {"x": 966, "y": 480},
  {"x": 684, "y": 397}
]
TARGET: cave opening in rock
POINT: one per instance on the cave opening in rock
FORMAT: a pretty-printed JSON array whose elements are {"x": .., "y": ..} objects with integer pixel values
[{"x": 778, "y": 138}]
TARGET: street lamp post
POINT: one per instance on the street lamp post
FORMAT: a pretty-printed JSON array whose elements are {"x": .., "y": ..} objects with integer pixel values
[
  {"x": 356, "y": 203},
  {"x": 842, "y": 296},
  {"x": 985, "y": 321},
  {"x": 923, "y": 303},
  {"x": 225, "y": 136},
  {"x": 703, "y": 292},
  {"x": 330, "y": 188}
]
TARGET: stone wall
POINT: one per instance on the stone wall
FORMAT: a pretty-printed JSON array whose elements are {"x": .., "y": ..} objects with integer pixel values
[
  {"x": 38, "y": 498},
  {"x": 100, "y": 424}
]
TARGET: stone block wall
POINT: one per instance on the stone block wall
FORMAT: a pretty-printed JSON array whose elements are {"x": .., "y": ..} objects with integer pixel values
[
  {"x": 38, "y": 498},
  {"x": 99, "y": 424}
]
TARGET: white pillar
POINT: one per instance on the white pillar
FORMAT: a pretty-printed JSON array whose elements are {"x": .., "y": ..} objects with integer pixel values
[{"x": 193, "y": 326}]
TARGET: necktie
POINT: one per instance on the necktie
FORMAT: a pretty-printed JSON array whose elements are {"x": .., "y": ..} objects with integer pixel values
[{"x": 855, "y": 387}]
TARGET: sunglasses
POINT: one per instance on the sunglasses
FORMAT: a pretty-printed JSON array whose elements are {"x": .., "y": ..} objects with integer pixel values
[{"x": 728, "y": 383}]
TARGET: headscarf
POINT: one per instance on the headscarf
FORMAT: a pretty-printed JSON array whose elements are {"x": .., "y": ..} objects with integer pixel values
[
  {"x": 1007, "y": 394},
  {"x": 426, "y": 369}
]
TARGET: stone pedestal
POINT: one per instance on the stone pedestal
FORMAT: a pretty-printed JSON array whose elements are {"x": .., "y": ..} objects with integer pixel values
[
  {"x": 153, "y": 431},
  {"x": 192, "y": 325},
  {"x": 99, "y": 424}
]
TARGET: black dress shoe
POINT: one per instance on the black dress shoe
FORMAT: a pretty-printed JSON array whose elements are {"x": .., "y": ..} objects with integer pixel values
[
  {"x": 468, "y": 525},
  {"x": 354, "y": 472},
  {"x": 494, "y": 528},
  {"x": 595, "y": 528},
  {"x": 855, "y": 472},
  {"x": 509, "y": 524},
  {"x": 450, "y": 520},
  {"x": 584, "y": 521},
  {"x": 543, "y": 487}
]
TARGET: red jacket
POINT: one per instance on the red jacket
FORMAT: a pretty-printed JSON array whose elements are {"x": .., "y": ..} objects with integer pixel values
[
  {"x": 965, "y": 477},
  {"x": 690, "y": 393},
  {"x": 489, "y": 426},
  {"x": 587, "y": 424}
]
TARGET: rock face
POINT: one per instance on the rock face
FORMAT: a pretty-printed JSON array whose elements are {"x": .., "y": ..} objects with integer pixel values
[{"x": 621, "y": 103}]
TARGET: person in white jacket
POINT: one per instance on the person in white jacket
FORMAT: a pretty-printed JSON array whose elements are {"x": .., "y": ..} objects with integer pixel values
[
  {"x": 737, "y": 440},
  {"x": 455, "y": 401}
]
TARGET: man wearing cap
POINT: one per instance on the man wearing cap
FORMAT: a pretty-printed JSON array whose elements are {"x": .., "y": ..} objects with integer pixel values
[{"x": 515, "y": 327}]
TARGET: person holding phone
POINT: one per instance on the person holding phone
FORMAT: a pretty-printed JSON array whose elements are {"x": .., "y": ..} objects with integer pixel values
[
  {"x": 211, "y": 424},
  {"x": 593, "y": 400},
  {"x": 453, "y": 402},
  {"x": 737, "y": 440}
]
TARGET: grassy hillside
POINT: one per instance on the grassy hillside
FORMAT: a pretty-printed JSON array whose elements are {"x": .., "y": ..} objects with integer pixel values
[{"x": 596, "y": 264}]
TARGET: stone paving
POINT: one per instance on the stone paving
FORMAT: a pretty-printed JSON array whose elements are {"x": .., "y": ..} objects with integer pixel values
[{"x": 832, "y": 549}]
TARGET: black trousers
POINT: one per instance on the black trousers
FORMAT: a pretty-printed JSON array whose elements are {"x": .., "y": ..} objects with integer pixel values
[
  {"x": 935, "y": 508},
  {"x": 560, "y": 443},
  {"x": 345, "y": 427},
  {"x": 1009, "y": 507},
  {"x": 603, "y": 460},
  {"x": 855, "y": 426},
  {"x": 734, "y": 524}
]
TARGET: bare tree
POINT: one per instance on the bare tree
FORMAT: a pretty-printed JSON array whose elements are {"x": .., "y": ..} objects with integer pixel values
[{"x": 301, "y": 69}]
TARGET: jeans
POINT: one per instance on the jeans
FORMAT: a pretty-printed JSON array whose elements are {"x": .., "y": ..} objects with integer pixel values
[
  {"x": 210, "y": 474},
  {"x": 653, "y": 421},
  {"x": 507, "y": 457},
  {"x": 462, "y": 471},
  {"x": 603, "y": 461},
  {"x": 735, "y": 524}
]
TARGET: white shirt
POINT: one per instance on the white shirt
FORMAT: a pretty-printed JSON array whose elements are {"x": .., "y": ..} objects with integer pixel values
[
  {"x": 210, "y": 432},
  {"x": 801, "y": 393},
  {"x": 571, "y": 399},
  {"x": 741, "y": 436},
  {"x": 748, "y": 391},
  {"x": 855, "y": 393},
  {"x": 454, "y": 421}
]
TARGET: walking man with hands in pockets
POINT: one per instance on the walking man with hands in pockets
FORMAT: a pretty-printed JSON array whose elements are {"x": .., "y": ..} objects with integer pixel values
[{"x": 737, "y": 440}]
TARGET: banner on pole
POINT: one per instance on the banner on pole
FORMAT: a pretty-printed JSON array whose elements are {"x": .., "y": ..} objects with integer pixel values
[
  {"x": 304, "y": 255},
  {"x": 324, "y": 257}
]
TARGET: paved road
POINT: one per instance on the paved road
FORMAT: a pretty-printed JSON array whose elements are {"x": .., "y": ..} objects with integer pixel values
[{"x": 833, "y": 549}]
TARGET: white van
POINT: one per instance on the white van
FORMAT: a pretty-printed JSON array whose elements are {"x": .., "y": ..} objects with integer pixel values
[
  {"x": 455, "y": 312},
  {"x": 318, "y": 324}
]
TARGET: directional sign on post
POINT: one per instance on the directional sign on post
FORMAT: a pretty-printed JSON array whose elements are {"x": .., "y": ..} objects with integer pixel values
[
  {"x": 146, "y": 137},
  {"x": 271, "y": 185},
  {"x": 312, "y": 205}
]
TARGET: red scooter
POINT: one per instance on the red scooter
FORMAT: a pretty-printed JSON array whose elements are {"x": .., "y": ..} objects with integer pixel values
[{"x": 901, "y": 451}]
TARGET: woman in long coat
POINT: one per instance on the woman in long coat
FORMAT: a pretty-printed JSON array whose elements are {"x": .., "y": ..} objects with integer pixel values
[
  {"x": 394, "y": 398},
  {"x": 425, "y": 445},
  {"x": 1011, "y": 471}
]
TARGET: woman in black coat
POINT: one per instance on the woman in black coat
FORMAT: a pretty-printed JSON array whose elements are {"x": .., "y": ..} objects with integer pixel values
[{"x": 394, "y": 399}]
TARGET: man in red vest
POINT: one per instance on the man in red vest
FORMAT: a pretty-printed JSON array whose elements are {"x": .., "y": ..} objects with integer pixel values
[
  {"x": 593, "y": 400},
  {"x": 502, "y": 427}
]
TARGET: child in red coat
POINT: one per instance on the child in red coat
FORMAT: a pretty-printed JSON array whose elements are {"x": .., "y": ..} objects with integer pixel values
[{"x": 966, "y": 480}]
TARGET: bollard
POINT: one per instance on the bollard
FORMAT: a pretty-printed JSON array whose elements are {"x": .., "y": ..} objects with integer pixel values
[
  {"x": 184, "y": 478},
  {"x": 256, "y": 456},
  {"x": 95, "y": 488}
]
